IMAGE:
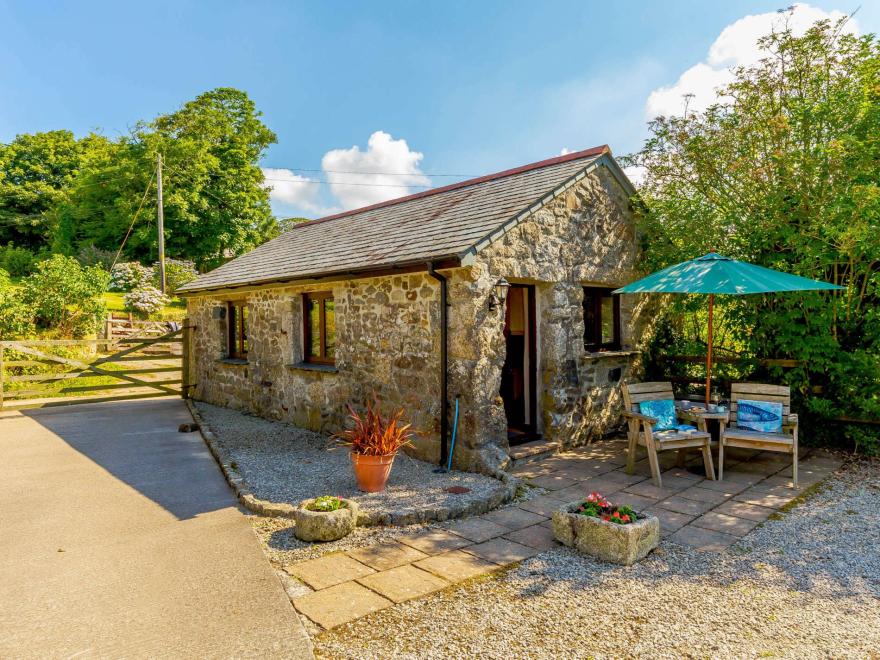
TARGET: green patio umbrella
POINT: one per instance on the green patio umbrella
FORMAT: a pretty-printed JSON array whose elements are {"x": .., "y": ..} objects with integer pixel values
[{"x": 714, "y": 274}]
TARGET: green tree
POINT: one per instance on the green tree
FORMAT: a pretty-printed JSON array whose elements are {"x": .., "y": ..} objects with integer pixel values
[
  {"x": 35, "y": 170},
  {"x": 783, "y": 172}
]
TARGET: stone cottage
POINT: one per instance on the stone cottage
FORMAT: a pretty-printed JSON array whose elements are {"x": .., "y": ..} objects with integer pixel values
[{"x": 493, "y": 292}]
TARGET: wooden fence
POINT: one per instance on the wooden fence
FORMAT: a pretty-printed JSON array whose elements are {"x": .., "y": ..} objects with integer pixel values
[
  {"x": 38, "y": 373},
  {"x": 670, "y": 360}
]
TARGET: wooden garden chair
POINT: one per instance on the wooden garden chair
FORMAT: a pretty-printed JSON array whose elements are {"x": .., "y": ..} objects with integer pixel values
[
  {"x": 735, "y": 436},
  {"x": 640, "y": 430}
]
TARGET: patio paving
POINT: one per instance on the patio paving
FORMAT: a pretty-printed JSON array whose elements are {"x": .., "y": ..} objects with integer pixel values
[{"x": 693, "y": 511}]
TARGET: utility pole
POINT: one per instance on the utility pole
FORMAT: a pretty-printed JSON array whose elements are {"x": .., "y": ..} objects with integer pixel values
[{"x": 161, "y": 223}]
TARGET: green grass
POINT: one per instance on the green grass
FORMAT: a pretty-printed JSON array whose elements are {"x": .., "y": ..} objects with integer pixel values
[{"x": 174, "y": 311}]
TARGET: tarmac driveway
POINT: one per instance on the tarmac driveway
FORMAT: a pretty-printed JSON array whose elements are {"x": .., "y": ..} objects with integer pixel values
[{"x": 120, "y": 538}]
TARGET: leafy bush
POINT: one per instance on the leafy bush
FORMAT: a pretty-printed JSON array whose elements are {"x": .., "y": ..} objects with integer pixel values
[
  {"x": 177, "y": 273},
  {"x": 145, "y": 300},
  {"x": 93, "y": 256},
  {"x": 66, "y": 297},
  {"x": 16, "y": 317},
  {"x": 129, "y": 275},
  {"x": 17, "y": 261}
]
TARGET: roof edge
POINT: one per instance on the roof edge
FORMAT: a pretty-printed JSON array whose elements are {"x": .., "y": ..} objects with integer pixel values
[
  {"x": 605, "y": 160},
  {"x": 440, "y": 262},
  {"x": 577, "y": 155}
]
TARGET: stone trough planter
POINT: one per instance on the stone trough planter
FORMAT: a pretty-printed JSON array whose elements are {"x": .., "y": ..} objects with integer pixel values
[
  {"x": 620, "y": 544},
  {"x": 325, "y": 525}
]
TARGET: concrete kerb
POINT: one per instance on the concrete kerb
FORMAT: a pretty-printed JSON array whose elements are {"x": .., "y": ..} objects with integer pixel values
[{"x": 365, "y": 518}]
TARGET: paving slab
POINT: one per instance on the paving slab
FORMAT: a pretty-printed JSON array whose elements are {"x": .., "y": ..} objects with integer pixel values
[
  {"x": 684, "y": 505},
  {"x": 543, "y": 505},
  {"x": 637, "y": 502},
  {"x": 501, "y": 551},
  {"x": 583, "y": 488},
  {"x": 721, "y": 522},
  {"x": 340, "y": 604},
  {"x": 703, "y": 539},
  {"x": 761, "y": 498},
  {"x": 434, "y": 542},
  {"x": 385, "y": 556},
  {"x": 456, "y": 565},
  {"x": 538, "y": 536},
  {"x": 552, "y": 481},
  {"x": 670, "y": 521},
  {"x": 726, "y": 486},
  {"x": 477, "y": 529},
  {"x": 157, "y": 558},
  {"x": 649, "y": 490},
  {"x": 706, "y": 495},
  {"x": 404, "y": 583},
  {"x": 513, "y": 517},
  {"x": 328, "y": 570},
  {"x": 743, "y": 510}
]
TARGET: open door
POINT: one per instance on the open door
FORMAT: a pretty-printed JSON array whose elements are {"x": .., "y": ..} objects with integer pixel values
[{"x": 518, "y": 376}]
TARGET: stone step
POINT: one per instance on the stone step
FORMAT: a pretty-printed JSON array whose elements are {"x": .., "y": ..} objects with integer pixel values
[{"x": 532, "y": 451}]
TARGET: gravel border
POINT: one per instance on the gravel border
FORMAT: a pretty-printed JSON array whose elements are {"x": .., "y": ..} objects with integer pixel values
[{"x": 471, "y": 506}]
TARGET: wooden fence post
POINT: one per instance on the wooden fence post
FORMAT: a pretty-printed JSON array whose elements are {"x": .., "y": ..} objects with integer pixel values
[
  {"x": 2, "y": 372},
  {"x": 185, "y": 357}
]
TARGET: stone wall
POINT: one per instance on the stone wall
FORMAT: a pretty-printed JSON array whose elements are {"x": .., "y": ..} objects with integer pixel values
[
  {"x": 388, "y": 336},
  {"x": 584, "y": 237},
  {"x": 387, "y": 344}
]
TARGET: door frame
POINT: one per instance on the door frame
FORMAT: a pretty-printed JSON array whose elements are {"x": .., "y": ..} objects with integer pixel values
[{"x": 531, "y": 351}]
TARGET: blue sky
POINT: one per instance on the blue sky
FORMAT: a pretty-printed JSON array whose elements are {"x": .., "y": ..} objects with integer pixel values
[{"x": 471, "y": 87}]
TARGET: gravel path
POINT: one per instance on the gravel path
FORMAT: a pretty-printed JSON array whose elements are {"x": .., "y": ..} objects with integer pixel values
[
  {"x": 283, "y": 463},
  {"x": 803, "y": 586}
]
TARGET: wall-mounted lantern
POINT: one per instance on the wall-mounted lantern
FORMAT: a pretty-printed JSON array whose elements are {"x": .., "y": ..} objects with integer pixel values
[{"x": 499, "y": 295}]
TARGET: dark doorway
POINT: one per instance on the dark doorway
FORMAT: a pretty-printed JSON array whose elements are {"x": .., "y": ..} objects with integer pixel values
[{"x": 518, "y": 386}]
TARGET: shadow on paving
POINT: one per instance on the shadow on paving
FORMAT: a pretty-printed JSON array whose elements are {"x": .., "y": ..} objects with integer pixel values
[{"x": 143, "y": 448}]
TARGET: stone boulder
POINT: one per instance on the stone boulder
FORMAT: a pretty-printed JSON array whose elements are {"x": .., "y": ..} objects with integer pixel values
[
  {"x": 325, "y": 525},
  {"x": 620, "y": 544}
]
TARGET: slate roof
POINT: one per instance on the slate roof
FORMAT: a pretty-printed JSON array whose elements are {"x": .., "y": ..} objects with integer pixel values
[{"x": 438, "y": 224}]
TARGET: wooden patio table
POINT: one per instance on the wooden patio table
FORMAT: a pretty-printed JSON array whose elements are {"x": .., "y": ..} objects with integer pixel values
[{"x": 701, "y": 419}]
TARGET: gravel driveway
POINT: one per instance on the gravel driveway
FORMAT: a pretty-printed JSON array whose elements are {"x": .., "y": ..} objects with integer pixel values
[{"x": 806, "y": 585}]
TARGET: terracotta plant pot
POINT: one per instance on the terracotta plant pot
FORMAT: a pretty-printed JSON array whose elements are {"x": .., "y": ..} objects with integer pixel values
[{"x": 371, "y": 472}]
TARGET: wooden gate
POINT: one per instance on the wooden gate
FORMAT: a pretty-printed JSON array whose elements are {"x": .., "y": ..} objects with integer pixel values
[{"x": 38, "y": 373}]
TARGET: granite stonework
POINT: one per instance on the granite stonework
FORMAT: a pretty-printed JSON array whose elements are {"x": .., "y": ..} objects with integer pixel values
[
  {"x": 325, "y": 525},
  {"x": 388, "y": 336},
  {"x": 619, "y": 544}
]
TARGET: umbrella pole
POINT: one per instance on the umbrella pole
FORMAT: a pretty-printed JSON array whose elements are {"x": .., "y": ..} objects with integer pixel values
[{"x": 709, "y": 351}]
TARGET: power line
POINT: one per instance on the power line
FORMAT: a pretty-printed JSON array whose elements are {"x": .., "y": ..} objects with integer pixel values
[
  {"x": 427, "y": 174},
  {"x": 131, "y": 226},
  {"x": 310, "y": 181}
]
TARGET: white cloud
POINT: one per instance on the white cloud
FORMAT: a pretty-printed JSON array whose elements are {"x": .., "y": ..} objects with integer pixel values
[
  {"x": 565, "y": 151},
  {"x": 388, "y": 167},
  {"x": 636, "y": 174},
  {"x": 735, "y": 46},
  {"x": 291, "y": 193}
]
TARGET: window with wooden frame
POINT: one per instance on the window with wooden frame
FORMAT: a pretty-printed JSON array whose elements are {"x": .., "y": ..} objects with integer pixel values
[
  {"x": 237, "y": 324},
  {"x": 601, "y": 319},
  {"x": 319, "y": 331}
]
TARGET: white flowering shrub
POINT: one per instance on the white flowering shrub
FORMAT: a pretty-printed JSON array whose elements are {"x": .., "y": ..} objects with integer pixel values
[
  {"x": 145, "y": 300},
  {"x": 129, "y": 275}
]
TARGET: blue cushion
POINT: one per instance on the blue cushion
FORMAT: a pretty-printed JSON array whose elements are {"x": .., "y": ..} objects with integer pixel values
[
  {"x": 764, "y": 416},
  {"x": 663, "y": 410}
]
